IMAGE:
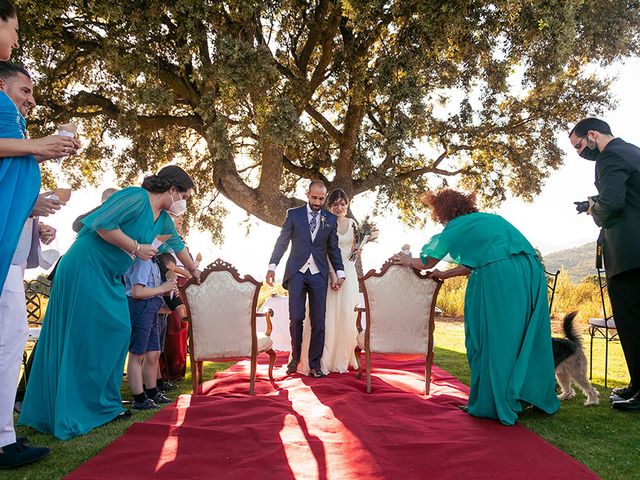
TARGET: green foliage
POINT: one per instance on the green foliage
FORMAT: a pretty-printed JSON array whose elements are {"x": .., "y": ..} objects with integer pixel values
[
  {"x": 579, "y": 262},
  {"x": 583, "y": 297},
  {"x": 451, "y": 296},
  {"x": 266, "y": 291},
  {"x": 383, "y": 95}
]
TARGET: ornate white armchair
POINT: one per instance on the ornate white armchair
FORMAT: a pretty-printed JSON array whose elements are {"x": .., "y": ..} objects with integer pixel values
[
  {"x": 400, "y": 306},
  {"x": 222, "y": 320}
]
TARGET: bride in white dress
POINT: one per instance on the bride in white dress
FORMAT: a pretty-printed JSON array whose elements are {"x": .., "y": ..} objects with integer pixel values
[{"x": 340, "y": 330}]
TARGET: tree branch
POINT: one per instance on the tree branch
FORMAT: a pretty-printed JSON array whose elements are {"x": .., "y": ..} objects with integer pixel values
[
  {"x": 310, "y": 173},
  {"x": 326, "y": 124},
  {"x": 84, "y": 99}
]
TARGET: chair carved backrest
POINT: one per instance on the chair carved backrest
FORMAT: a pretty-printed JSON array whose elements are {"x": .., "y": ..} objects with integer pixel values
[
  {"x": 222, "y": 310},
  {"x": 222, "y": 321},
  {"x": 400, "y": 303},
  {"x": 34, "y": 292}
]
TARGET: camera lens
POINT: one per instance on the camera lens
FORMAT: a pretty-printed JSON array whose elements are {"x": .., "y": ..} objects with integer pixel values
[{"x": 582, "y": 207}]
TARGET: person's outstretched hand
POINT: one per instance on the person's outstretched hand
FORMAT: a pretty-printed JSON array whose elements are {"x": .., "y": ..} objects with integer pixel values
[
  {"x": 271, "y": 276},
  {"x": 401, "y": 259},
  {"x": 437, "y": 274},
  {"x": 45, "y": 205}
]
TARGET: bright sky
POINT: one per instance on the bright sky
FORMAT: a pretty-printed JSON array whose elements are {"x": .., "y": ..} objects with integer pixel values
[{"x": 550, "y": 222}]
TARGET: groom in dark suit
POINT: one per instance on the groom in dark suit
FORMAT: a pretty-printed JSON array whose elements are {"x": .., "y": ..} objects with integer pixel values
[{"x": 314, "y": 242}]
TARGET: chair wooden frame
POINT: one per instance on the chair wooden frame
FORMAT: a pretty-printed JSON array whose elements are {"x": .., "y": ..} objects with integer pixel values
[
  {"x": 552, "y": 281},
  {"x": 196, "y": 365},
  {"x": 367, "y": 309},
  {"x": 601, "y": 330},
  {"x": 34, "y": 290}
]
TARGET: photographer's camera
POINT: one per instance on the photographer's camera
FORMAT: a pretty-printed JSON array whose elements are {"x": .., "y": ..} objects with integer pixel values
[{"x": 582, "y": 207}]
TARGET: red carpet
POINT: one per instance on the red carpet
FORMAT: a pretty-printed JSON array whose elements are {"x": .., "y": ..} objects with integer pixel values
[{"x": 328, "y": 429}]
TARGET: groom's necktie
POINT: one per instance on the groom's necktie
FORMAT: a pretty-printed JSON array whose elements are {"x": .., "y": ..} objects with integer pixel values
[{"x": 313, "y": 222}]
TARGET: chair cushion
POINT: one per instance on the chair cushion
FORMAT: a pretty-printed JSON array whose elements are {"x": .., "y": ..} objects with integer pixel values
[
  {"x": 264, "y": 342},
  {"x": 400, "y": 307},
  {"x": 599, "y": 322},
  {"x": 221, "y": 312}
]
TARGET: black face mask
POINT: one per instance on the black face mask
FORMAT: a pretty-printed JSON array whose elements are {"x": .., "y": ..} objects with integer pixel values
[{"x": 590, "y": 153}]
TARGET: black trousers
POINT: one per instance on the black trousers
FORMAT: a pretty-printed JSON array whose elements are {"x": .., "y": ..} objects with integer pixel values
[{"x": 624, "y": 292}]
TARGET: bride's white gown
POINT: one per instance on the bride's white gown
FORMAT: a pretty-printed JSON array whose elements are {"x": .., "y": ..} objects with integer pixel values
[{"x": 340, "y": 330}]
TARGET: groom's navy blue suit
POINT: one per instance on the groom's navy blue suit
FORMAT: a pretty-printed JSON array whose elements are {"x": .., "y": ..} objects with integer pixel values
[{"x": 298, "y": 278}]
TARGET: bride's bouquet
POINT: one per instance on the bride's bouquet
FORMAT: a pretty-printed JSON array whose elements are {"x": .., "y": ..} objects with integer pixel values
[{"x": 365, "y": 232}]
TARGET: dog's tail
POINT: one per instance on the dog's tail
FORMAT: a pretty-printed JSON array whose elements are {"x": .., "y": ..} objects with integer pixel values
[{"x": 569, "y": 331}]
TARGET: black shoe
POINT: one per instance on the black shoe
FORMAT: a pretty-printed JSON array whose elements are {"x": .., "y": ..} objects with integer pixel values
[
  {"x": 622, "y": 393},
  {"x": 16, "y": 455},
  {"x": 616, "y": 398},
  {"x": 166, "y": 386},
  {"x": 317, "y": 373},
  {"x": 292, "y": 367},
  {"x": 464, "y": 408},
  {"x": 146, "y": 404},
  {"x": 631, "y": 405},
  {"x": 122, "y": 416},
  {"x": 160, "y": 398}
]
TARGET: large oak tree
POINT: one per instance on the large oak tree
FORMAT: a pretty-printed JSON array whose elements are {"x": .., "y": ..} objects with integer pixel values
[{"x": 369, "y": 95}]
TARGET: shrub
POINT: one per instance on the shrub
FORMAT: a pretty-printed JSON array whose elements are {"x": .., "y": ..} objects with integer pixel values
[
  {"x": 266, "y": 291},
  {"x": 451, "y": 296},
  {"x": 583, "y": 297}
]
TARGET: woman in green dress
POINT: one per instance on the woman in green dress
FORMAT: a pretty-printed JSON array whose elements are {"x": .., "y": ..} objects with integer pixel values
[
  {"x": 506, "y": 312},
  {"x": 75, "y": 380}
]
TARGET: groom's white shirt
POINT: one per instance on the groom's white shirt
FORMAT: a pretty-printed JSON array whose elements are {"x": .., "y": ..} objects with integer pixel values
[{"x": 311, "y": 263}]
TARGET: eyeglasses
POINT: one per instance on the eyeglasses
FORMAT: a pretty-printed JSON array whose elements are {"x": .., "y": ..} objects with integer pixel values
[{"x": 577, "y": 145}]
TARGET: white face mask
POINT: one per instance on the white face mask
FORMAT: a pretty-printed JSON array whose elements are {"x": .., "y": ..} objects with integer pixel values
[
  {"x": 46, "y": 258},
  {"x": 178, "y": 207}
]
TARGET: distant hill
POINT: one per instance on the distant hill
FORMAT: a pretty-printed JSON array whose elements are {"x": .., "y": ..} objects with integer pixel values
[{"x": 579, "y": 262}]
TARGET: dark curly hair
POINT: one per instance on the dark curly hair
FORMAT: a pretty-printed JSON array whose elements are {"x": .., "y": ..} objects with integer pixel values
[
  {"x": 170, "y": 176},
  {"x": 448, "y": 204}
]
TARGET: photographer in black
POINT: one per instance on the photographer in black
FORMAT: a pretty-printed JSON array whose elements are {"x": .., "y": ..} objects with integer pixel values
[{"x": 616, "y": 209}]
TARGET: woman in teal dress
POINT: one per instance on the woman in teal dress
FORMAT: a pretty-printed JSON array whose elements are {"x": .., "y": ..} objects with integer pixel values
[
  {"x": 75, "y": 380},
  {"x": 506, "y": 311}
]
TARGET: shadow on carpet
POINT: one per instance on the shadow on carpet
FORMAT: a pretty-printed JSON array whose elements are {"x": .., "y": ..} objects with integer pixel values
[{"x": 329, "y": 428}]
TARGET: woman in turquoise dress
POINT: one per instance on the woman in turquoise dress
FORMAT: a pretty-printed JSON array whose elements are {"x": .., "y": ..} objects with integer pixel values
[
  {"x": 75, "y": 380},
  {"x": 506, "y": 311}
]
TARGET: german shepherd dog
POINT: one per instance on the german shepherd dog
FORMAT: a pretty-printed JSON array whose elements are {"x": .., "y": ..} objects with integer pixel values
[{"x": 571, "y": 363}]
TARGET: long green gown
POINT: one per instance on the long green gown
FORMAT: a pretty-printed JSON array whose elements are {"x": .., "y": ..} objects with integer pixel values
[
  {"x": 506, "y": 316},
  {"x": 75, "y": 380}
]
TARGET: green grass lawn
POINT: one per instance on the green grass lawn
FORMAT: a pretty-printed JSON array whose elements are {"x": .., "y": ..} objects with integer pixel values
[
  {"x": 68, "y": 455},
  {"x": 606, "y": 441}
]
